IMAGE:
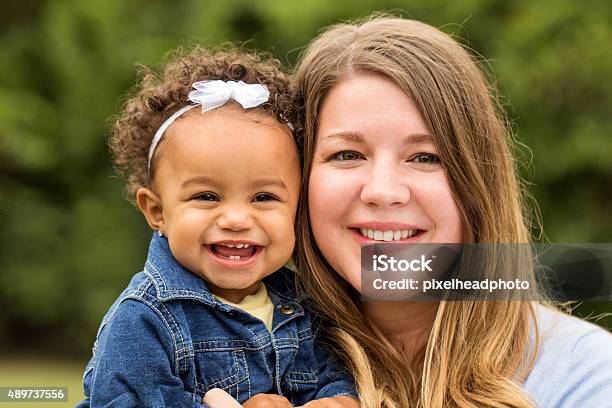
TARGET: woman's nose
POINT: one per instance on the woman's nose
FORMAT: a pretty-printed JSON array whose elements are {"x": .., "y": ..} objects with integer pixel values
[
  {"x": 384, "y": 187},
  {"x": 235, "y": 218}
]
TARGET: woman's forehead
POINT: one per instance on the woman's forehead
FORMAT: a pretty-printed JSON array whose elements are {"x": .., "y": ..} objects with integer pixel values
[{"x": 370, "y": 104}]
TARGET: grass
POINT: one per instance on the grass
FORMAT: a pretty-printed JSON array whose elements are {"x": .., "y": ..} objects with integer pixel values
[{"x": 30, "y": 372}]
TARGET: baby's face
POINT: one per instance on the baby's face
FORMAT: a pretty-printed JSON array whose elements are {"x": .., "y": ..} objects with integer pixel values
[{"x": 229, "y": 184}]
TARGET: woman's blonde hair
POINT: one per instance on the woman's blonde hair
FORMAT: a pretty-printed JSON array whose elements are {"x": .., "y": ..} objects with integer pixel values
[{"x": 477, "y": 353}]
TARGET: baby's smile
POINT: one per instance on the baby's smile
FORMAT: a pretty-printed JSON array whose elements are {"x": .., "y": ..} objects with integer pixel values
[{"x": 234, "y": 254}]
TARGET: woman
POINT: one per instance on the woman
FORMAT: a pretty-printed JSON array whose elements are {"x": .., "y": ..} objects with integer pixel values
[{"x": 401, "y": 134}]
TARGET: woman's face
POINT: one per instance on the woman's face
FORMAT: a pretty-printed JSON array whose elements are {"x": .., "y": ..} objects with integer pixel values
[{"x": 376, "y": 175}]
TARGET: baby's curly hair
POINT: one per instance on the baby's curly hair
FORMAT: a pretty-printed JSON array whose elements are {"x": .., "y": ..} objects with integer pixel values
[{"x": 158, "y": 95}]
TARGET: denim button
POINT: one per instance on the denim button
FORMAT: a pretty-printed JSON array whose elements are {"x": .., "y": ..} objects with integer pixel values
[{"x": 286, "y": 309}]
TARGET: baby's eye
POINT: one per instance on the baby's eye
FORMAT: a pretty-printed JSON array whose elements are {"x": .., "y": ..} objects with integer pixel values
[
  {"x": 426, "y": 158},
  {"x": 346, "y": 155},
  {"x": 207, "y": 196},
  {"x": 263, "y": 197}
]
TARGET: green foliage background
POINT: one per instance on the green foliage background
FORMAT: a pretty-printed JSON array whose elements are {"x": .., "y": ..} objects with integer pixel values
[{"x": 69, "y": 242}]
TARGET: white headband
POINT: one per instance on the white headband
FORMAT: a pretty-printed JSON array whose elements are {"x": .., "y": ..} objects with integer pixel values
[{"x": 211, "y": 95}]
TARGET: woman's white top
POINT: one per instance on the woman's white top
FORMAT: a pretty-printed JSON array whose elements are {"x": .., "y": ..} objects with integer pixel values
[{"x": 573, "y": 368}]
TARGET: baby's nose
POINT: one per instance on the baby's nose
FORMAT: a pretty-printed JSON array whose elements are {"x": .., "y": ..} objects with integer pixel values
[{"x": 235, "y": 219}]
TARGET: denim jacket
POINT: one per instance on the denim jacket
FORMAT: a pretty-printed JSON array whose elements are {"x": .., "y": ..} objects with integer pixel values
[{"x": 166, "y": 341}]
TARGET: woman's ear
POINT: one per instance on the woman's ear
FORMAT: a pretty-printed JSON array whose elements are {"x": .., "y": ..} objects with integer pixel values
[{"x": 149, "y": 204}]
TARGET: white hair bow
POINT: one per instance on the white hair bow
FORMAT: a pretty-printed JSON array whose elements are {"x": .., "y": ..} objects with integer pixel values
[{"x": 210, "y": 95}]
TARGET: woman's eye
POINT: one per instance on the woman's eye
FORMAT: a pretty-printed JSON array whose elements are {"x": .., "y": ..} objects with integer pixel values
[
  {"x": 262, "y": 197},
  {"x": 207, "y": 197},
  {"x": 426, "y": 158},
  {"x": 346, "y": 155}
]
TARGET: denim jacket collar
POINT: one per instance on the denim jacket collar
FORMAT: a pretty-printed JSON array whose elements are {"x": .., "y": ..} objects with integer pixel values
[{"x": 173, "y": 281}]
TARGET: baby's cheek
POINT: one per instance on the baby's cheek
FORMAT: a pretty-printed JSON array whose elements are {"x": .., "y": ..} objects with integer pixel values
[
  {"x": 190, "y": 221},
  {"x": 282, "y": 237},
  {"x": 287, "y": 241}
]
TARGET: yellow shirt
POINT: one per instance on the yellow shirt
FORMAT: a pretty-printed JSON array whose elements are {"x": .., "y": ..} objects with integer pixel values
[{"x": 258, "y": 305}]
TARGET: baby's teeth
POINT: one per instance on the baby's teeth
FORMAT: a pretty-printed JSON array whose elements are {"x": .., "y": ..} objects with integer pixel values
[
  {"x": 397, "y": 235},
  {"x": 388, "y": 235},
  {"x": 234, "y": 257},
  {"x": 240, "y": 245},
  {"x": 370, "y": 234},
  {"x": 378, "y": 235},
  {"x": 405, "y": 234}
]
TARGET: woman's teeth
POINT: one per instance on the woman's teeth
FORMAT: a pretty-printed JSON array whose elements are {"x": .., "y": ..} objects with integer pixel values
[{"x": 387, "y": 235}]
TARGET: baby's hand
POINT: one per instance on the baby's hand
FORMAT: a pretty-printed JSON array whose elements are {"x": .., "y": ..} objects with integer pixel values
[
  {"x": 217, "y": 398},
  {"x": 335, "y": 402},
  {"x": 267, "y": 400}
]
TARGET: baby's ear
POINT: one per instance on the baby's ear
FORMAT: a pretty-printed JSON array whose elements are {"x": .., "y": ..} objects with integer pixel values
[{"x": 150, "y": 205}]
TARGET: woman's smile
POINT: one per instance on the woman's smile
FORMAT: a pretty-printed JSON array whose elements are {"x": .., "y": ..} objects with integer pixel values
[
  {"x": 377, "y": 231},
  {"x": 365, "y": 236}
]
